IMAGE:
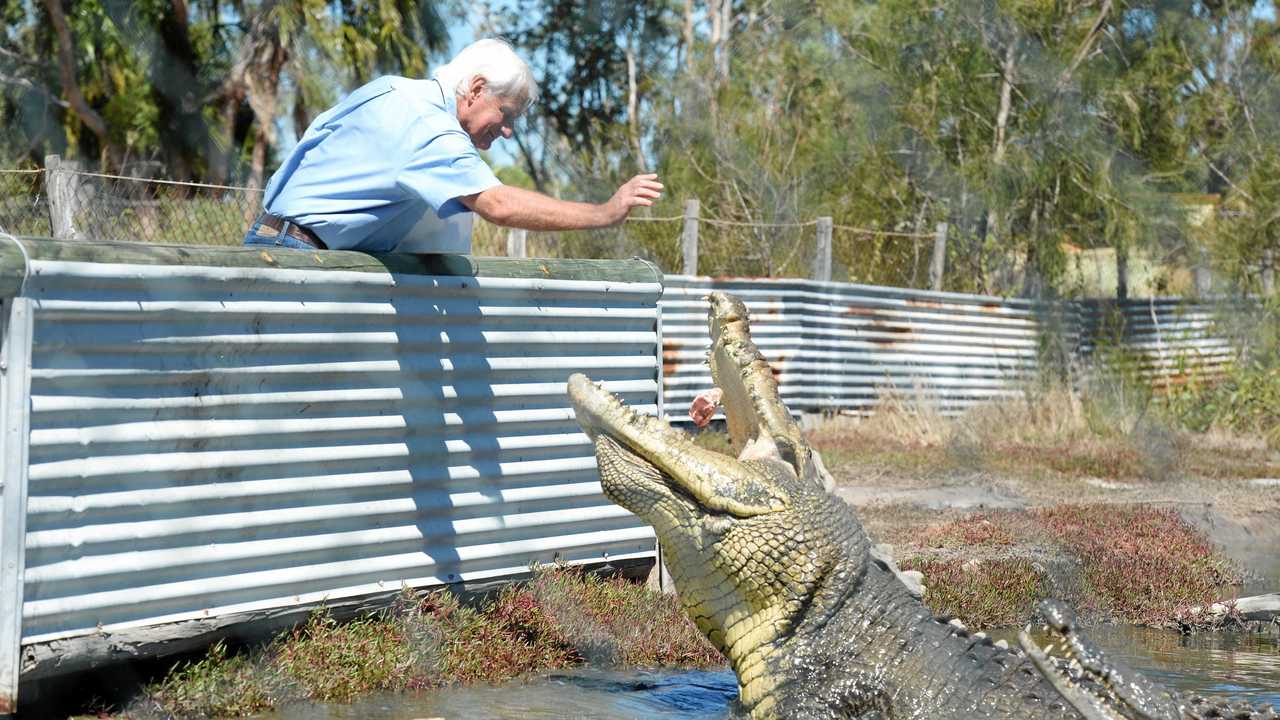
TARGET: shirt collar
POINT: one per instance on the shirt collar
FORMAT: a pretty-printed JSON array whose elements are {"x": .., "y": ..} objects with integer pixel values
[{"x": 437, "y": 92}]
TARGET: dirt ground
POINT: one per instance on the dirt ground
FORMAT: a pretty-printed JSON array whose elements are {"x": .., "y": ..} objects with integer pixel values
[
  {"x": 959, "y": 504},
  {"x": 1241, "y": 516}
]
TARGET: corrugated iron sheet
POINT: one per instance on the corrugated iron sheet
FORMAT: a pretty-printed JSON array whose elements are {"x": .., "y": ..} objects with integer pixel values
[
  {"x": 1166, "y": 340},
  {"x": 225, "y": 431},
  {"x": 15, "y": 364},
  {"x": 209, "y": 440},
  {"x": 837, "y": 346}
]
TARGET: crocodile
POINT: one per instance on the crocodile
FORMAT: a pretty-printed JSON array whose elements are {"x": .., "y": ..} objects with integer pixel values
[{"x": 779, "y": 575}]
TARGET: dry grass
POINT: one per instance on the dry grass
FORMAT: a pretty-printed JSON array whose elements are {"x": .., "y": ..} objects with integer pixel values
[
  {"x": 1133, "y": 564},
  {"x": 1142, "y": 565},
  {"x": 561, "y": 618},
  {"x": 1100, "y": 432}
]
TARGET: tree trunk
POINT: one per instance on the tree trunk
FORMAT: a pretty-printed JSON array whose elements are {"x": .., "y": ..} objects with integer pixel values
[
  {"x": 717, "y": 20},
  {"x": 179, "y": 98},
  {"x": 223, "y": 139},
  {"x": 531, "y": 164},
  {"x": 301, "y": 115},
  {"x": 726, "y": 33},
  {"x": 1122, "y": 271},
  {"x": 1002, "y": 123},
  {"x": 633, "y": 107},
  {"x": 1032, "y": 278},
  {"x": 688, "y": 35},
  {"x": 71, "y": 87},
  {"x": 256, "y": 75},
  {"x": 721, "y": 32}
]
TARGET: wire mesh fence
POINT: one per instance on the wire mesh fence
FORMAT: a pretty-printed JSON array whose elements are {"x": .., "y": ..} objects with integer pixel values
[
  {"x": 24, "y": 207},
  {"x": 65, "y": 202},
  {"x": 149, "y": 210}
]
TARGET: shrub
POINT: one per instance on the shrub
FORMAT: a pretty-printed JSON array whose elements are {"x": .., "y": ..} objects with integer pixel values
[
  {"x": 986, "y": 593},
  {"x": 1142, "y": 565}
]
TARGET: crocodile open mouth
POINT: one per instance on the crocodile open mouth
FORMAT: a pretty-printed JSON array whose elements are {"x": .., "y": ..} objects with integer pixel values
[
  {"x": 637, "y": 452},
  {"x": 761, "y": 430},
  {"x": 1091, "y": 682}
]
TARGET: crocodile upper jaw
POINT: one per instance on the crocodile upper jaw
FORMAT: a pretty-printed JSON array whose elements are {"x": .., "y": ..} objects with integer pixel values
[{"x": 747, "y": 539}]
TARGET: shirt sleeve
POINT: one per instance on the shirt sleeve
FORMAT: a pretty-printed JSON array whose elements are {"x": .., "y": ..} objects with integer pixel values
[{"x": 444, "y": 168}]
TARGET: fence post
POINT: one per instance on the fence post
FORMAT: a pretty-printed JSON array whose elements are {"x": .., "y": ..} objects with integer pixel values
[
  {"x": 822, "y": 257},
  {"x": 938, "y": 264},
  {"x": 1268, "y": 273},
  {"x": 689, "y": 238},
  {"x": 61, "y": 183},
  {"x": 1201, "y": 278},
  {"x": 1122, "y": 273},
  {"x": 516, "y": 242},
  {"x": 15, "y": 399}
]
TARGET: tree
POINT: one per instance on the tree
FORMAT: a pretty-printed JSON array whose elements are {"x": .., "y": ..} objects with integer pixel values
[
  {"x": 194, "y": 86},
  {"x": 595, "y": 63}
]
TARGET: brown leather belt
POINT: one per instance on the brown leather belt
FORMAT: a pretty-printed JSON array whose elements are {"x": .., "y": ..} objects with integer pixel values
[{"x": 293, "y": 230}]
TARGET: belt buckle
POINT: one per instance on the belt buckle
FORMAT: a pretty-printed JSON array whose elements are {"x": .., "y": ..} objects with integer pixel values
[{"x": 292, "y": 230}]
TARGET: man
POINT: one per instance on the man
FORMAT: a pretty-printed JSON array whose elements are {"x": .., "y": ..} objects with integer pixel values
[{"x": 396, "y": 166}]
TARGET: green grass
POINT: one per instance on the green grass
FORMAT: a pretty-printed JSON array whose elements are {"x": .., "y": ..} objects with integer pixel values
[{"x": 221, "y": 684}]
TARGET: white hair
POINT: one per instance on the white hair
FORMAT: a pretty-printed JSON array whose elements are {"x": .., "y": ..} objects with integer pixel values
[{"x": 505, "y": 73}]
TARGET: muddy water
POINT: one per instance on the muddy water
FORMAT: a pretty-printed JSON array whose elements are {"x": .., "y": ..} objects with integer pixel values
[
  {"x": 1243, "y": 666},
  {"x": 585, "y": 694},
  {"x": 1232, "y": 665},
  {"x": 1235, "y": 665}
]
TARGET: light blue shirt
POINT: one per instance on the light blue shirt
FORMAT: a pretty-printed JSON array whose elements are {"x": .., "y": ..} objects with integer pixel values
[{"x": 371, "y": 169}]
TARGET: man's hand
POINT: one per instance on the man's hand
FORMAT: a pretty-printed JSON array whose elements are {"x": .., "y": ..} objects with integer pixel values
[
  {"x": 516, "y": 207},
  {"x": 704, "y": 406},
  {"x": 639, "y": 191}
]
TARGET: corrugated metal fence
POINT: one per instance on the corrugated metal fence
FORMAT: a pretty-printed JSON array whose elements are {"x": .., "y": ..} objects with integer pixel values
[
  {"x": 1168, "y": 340},
  {"x": 837, "y": 346},
  {"x": 196, "y": 436},
  {"x": 223, "y": 432}
]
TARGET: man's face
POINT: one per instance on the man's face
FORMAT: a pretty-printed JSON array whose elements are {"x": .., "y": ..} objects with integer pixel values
[{"x": 485, "y": 116}]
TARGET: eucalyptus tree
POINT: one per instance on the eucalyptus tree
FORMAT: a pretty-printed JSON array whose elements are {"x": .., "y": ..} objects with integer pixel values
[
  {"x": 598, "y": 65},
  {"x": 1029, "y": 126},
  {"x": 196, "y": 85},
  {"x": 352, "y": 40},
  {"x": 1231, "y": 102}
]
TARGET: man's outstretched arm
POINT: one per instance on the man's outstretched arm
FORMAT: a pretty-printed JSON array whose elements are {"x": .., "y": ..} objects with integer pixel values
[{"x": 516, "y": 207}]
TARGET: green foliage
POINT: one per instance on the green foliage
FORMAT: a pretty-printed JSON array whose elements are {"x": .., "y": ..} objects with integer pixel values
[
  {"x": 608, "y": 622},
  {"x": 997, "y": 592},
  {"x": 333, "y": 662},
  {"x": 221, "y": 684},
  {"x": 1030, "y": 127},
  {"x": 1245, "y": 399},
  {"x": 1036, "y": 130},
  {"x": 190, "y": 88},
  {"x": 1248, "y": 399}
]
